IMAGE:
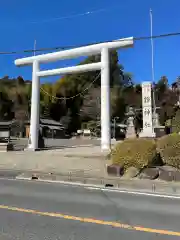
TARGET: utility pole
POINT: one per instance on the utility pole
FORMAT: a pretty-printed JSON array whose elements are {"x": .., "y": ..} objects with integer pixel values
[
  {"x": 34, "y": 47},
  {"x": 152, "y": 66}
]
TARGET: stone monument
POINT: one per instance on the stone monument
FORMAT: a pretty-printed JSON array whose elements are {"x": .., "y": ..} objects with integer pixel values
[
  {"x": 147, "y": 130},
  {"x": 130, "y": 131}
]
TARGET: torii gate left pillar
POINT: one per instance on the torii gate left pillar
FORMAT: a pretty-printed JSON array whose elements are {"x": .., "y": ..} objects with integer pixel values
[{"x": 103, "y": 49}]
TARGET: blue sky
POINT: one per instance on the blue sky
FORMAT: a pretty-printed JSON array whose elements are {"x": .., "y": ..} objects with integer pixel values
[{"x": 121, "y": 19}]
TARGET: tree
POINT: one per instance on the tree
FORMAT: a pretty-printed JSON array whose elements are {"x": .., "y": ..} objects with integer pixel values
[
  {"x": 161, "y": 88},
  {"x": 166, "y": 98},
  {"x": 21, "y": 112},
  {"x": 86, "y": 106},
  {"x": 118, "y": 104},
  {"x": 5, "y": 105},
  {"x": 46, "y": 100},
  {"x": 66, "y": 120},
  {"x": 20, "y": 81},
  {"x": 91, "y": 108}
]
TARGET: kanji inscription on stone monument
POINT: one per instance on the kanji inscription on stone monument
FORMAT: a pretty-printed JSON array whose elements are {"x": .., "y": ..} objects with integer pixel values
[
  {"x": 147, "y": 109},
  {"x": 146, "y": 124},
  {"x": 147, "y": 99}
]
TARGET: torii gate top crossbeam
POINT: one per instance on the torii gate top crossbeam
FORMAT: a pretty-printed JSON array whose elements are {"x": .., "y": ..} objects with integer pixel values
[{"x": 76, "y": 52}]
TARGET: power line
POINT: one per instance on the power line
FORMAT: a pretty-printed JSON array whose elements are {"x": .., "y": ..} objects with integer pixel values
[
  {"x": 158, "y": 36},
  {"x": 67, "y": 16},
  {"x": 83, "y": 45},
  {"x": 70, "y": 16}
]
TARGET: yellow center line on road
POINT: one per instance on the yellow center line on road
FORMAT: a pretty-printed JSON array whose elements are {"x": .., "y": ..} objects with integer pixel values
[{"x": 91, "y": 220}]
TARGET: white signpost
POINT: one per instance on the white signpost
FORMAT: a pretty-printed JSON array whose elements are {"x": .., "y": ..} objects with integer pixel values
[
  {"x": 147, "y": 110},
  {"x": 102, "y": 49}
]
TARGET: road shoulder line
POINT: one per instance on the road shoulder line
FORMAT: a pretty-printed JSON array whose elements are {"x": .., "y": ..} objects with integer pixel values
[{"x": 107, "y": 189}]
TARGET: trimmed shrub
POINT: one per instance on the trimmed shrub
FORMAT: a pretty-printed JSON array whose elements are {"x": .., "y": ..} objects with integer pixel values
[
  {"x": 137, "y": 152},
  {"x": 169, "y": 149},
  {"x": 176, "y": 122}
]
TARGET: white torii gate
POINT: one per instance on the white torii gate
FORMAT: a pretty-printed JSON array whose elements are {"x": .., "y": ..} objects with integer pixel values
[{"x": 103, "y": 65}]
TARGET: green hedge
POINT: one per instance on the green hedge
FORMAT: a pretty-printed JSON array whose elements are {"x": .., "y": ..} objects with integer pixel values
[
  {"x": 176, "y": 122},
  {"x": 169, "y": 149},
  {"x": 138, "y": 152}
]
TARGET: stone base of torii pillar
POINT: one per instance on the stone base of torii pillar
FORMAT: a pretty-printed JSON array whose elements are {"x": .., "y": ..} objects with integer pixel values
[{"x": 147, "y": 134}]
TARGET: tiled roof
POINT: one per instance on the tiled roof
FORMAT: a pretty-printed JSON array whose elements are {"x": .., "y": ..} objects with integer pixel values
[
  {"x": 5, "y": 123},
  {"x": 49, "y": 122},
  {"x": 45, "y": 121}
]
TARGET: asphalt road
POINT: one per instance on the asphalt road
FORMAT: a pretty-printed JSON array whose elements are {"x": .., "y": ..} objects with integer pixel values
[{"x": 34, "y": 210}]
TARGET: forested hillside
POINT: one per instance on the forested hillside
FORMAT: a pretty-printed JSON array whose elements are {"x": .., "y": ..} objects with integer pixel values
[{"x": 72, "y": 104}]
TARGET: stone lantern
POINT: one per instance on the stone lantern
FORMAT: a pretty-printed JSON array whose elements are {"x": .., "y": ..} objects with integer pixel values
[{"x": 130, "y": 131}]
